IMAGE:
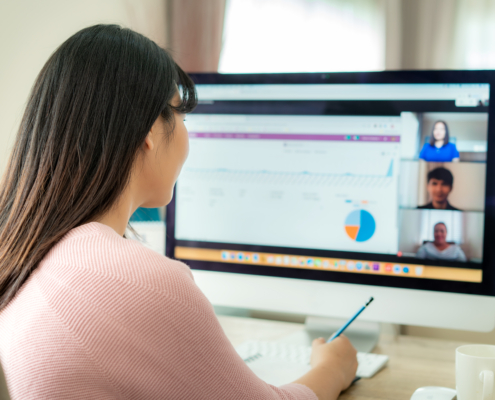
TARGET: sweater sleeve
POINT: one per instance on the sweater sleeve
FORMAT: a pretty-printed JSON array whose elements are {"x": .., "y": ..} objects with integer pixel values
[
  {"x": 421, "y": 252},
  {"x": 152, "y": 334},
  {"x": 460, "y": 256},
  {"x": 210, "y": 366},
  {"x": 422, "y": 154}
]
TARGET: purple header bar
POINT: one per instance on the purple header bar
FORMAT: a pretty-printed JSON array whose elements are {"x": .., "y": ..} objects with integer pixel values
[{"x": 296, "y": 136}]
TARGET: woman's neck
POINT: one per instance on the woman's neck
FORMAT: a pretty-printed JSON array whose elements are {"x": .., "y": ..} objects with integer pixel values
[
  {"x": 439, "y": 143},
  {"x": 118, "y": 216}
]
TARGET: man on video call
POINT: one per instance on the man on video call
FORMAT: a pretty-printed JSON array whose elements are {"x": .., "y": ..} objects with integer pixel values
[{"x": 440, "y": 182}]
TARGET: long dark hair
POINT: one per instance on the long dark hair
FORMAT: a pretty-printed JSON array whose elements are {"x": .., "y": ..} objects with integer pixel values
[
  {"x": 88, "y": 114},
  {"x": 447, "y": 136}
]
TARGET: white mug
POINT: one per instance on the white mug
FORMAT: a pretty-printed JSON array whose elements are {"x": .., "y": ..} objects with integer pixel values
[{"x": 474, "y": 372}]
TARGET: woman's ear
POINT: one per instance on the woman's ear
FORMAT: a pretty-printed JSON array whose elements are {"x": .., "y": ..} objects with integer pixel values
[{"x": 148, "y": 141}]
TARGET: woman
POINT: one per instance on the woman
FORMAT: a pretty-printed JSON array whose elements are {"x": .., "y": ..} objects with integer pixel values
[
  {"x": 85, "y": 313},
  {"x": 439, "y": 149},
  {"x": 440, "y": 249}
]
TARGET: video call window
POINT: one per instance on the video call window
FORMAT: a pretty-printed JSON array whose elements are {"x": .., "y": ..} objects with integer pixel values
[{"x": 442, "y": 190}]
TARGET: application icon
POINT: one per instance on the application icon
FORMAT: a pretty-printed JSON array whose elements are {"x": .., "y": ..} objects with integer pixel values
[
  {"x": 240, "y": 257},
  {"x": 336, "y": 265},
  {"x": 326, "y": 264},
  {"x": 302, "y": 262},
  {"x": 286, "y": 260},
  {"x": 418, "y": 271},
  {"x": 293, "y": 261},
  {"x": 256, "y": 257},
  {"x": 359, "y": 266},
  {"x": 270, "y": 259},
  {"x": 367, "y": 267},
  {"x": 350, "y": 265},
  {"x": 388, "y": 267},
  {"x": 397, "y": 269},
  {"x": 318, "y": 262},
  {"x": 278, "y": 260},
  {"x": 310, "y": 262},
  {"x": 225, "y": 255},
  {"x": 376, "y": 267},
  {"x": 232, "y": 256},
  {"x": 405, "y": 270},
  {"x": 247, "y": 257},
  {"x": 343, "y": 262}
]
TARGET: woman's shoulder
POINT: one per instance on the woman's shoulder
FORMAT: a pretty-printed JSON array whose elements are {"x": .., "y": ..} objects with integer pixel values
[
  {"x": 425, "y": 150},
  {"x": 450, "y": 146},
  {"x": 457, "y": 248},
  {"x": 94, "y": 252},
  {"x": 117, "y": 277}
]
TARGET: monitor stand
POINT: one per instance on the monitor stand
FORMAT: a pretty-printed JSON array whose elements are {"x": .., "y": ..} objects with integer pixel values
[{"x": 363, "y": 334}]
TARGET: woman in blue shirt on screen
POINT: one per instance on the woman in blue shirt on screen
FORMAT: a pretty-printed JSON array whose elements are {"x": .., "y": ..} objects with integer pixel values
[{"x": 439, "y": 149}]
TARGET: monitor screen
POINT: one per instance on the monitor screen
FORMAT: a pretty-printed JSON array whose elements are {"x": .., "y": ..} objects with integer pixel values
[{"x": 376, "y": 178}]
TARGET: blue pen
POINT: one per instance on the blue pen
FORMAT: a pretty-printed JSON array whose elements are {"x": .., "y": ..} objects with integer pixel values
[{"x": 339, "y": 332}]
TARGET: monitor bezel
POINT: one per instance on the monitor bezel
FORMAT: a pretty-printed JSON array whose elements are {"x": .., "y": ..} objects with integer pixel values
[{"x": 486, "y": 287}]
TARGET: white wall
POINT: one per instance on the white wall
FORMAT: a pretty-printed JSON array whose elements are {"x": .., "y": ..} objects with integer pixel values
[{"x": 30, "y": 30}]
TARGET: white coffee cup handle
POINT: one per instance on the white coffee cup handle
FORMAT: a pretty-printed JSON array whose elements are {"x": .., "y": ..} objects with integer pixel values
[{"x": 487, "y": 378}]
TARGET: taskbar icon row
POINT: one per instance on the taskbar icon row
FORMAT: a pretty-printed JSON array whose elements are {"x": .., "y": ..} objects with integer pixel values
[
  {"x": 321, "y": 263},
  {"x": 328, "y": 264}
]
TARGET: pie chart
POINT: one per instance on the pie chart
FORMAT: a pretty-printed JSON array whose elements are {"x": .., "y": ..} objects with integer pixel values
[{"x": 360, "y": 225}]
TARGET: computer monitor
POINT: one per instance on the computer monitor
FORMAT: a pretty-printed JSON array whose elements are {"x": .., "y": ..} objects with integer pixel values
[{"x": 309, "y": 193}]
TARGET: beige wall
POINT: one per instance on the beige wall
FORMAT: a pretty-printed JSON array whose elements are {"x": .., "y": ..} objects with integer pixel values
[{"x": 30, "y": 30}]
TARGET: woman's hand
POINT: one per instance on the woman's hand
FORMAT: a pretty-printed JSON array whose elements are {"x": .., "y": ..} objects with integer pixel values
[
  {"x": 338, "y": 355},
  {"x": 334, "y": 367}
]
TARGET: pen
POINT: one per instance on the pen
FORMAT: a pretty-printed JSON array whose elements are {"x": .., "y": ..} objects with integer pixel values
[{"x": 339, "y": 332}]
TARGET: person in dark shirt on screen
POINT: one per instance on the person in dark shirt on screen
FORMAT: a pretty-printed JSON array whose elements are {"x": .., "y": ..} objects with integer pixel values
[{"x": 440, "y": 182}]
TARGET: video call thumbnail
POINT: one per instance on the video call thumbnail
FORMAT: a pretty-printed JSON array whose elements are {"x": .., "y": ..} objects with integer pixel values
[
  {"x": 441, "y": 235},
  {"x": 453, "y": 137}
]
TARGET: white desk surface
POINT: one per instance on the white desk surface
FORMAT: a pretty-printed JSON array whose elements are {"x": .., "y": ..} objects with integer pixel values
[{"x": 414, "y": 361}]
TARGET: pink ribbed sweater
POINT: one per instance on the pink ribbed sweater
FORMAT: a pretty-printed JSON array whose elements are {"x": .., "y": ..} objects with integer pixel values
[{"x": 103, "y": 317}]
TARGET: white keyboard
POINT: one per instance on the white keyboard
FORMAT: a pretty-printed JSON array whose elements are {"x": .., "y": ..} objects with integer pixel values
[{"x": 368, "y": 363}]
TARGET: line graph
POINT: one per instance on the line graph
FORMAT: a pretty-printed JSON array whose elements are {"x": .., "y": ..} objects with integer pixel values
[{"x": 301, "y": 178}]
